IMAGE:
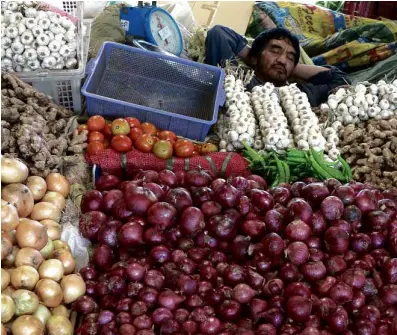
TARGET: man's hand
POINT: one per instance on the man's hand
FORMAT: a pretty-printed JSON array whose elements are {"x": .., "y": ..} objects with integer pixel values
[{"x": 305, "y": 72}]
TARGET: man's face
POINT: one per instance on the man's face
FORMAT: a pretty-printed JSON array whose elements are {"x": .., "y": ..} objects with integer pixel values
[{"x": 276, "y": 62}]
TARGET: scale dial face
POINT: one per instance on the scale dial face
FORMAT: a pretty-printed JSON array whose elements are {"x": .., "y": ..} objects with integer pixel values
[{"x": 165, "y": 32}]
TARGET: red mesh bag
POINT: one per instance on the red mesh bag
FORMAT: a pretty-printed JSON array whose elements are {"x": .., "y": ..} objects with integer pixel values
[{"x": 223, "y": 164}]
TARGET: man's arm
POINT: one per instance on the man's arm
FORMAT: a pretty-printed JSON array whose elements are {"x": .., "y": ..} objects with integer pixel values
[{"x": 320, "y": 81}]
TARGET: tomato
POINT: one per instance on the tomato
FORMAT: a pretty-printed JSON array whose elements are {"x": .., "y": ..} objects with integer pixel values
[
  {"x": 94, "y": 147},
  {"x": 183, "y": 148},
  {"x": 168, "y": 136},
  {"x": 120, "y": 127},
  {"x": 121, "y": 143},
  {"x": 195, "y": 153},
  {"x": 156, "y": 139},
  {"x": 149, "y": 128},
  {"x": 206, "y": 148},
  {"x": 144, "y": 143},
  {"x": 82, "y": 127},
  {"x": 96, "y": 122},
  {"x": 133, "y": 122},
  {"x": 163, "y": 149},
  {"x": 106, "y": 143},
  {"x": 95, "y": 136},
  {"x": 135, "y": 133},
  {"x": 197, "y": 147},
  {"x": 107, "y": 131}
]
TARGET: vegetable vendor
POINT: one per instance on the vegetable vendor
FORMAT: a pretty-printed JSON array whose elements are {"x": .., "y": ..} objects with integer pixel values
[{"x": 274, "y": 57}]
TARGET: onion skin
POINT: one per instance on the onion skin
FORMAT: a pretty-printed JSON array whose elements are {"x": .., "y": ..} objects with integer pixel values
[
  {"x": 73, "y": 287},
  {"x": 55, "y": 198},
  {"x": 27, "y": 325},
  {"x": 53, "y": 229},
  {"x": 45, "y": 210},
  {"x": 9, "y": 217},
  {"x": 5, "y": 279},
  {"x": 13, "y": 171},
  {"x": 51, "y": 269},
  {"x": 58, "y": 183},
  {"x": 31, "y": 234},
  {"x": 59, "y": 325},
  {"x": 29, "y": 256},
  {"x": 67, "y": 260},
  {"x": 7, "y": 308},
  {"x": 6, "y": 245},
  {"x": 24, "y": 277},
  {"x": 42, "y": 313},
  {"x": 49, "y": 292},
  {"x": 19, "y": 196},
  {"x": 26, "y": 302},
  {"x": 37, "y": 186}
]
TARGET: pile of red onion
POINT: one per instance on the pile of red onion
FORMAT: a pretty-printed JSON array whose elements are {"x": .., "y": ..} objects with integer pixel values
[{"x": 185, "y": 253}]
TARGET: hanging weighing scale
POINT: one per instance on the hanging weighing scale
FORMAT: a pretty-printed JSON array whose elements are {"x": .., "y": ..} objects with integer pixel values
[{"x": 151, "y": 24}]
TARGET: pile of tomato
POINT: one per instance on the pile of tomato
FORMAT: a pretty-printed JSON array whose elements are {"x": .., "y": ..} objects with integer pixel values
[{"x": 123, "y": 134}]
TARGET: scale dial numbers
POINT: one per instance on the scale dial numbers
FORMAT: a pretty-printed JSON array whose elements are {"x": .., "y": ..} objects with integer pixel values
[{"x": 165, "y": 32}]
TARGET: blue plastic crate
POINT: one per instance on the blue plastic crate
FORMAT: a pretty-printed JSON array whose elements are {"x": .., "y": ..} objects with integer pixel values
[{"x": 170, "y": 92}]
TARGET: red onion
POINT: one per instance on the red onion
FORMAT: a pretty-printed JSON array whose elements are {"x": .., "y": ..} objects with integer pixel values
[
  {"x": 90, "y": 223},
  {"x": 289, "y": 272},
  {"x": 297, "y": 252},
  {"x": 179, "y": 198},
  {"x": 318, "y": 223},
  {"x": 341, "y": 293},
  {"x": 192, "y": 221},
  {"x": 274, "y": 221},
  {"x": 197, "y": 178},
  {"x": 103, "y": 257},
  {"x": 107, "y": 182},
  {"x": 388, "y": 294},
  {"x": 131, "y": 234},
  {"x": 123, "y": 318},
  {"x": 352, "y": 214},
  {"x": 143, "y": 322},
  {"x": 360, "y": 243},
  {"x": 297, "y": 289},
  {"x": 210, "y": 208},
  {"x": 234, "y": 274},
  {"x": 273, "y": 287},
  {"x": 281, "y": 195},
  {"x": 354, "y": 278},
  {"x": 324, "y": 307},
  {"x": 124, "y": 305},
  {"x": 89, "y": 273},
  {"x": 138, "y": 308},
  {"x": 297, "y": 231},
  {"x": 149, "y": 296},
  {"x": 315, "y": 193},
  {"x": 346, "y": 194},
  {"x": 85, "y": 305},
  {"x": 160, "y": 315},
  {"x": 273, "y": 245},
  {"x": 332, "y": 208},
  {"x": 161, "y": 215},
  {"x": 299, "y": 209},
  {"x": 297, "y": 187},
  {"x": 243, "y": 293},
  {"x": 226, "y": 195},
  {"x": 366, "y": 201},
  {"x": 190, "y": 327},
  {"x": 160, "y": 254},
  {"x": 336, "y": 240},
  {"x": 169, "y": 299},
  {"x": 254, "y": 228},
  {"x": 127, "y": 329},
  {"x": 261, "y": 200},
  {"x": 92, "y": 201},
  {"x": 313, "y": 271},
  {"x": 323, "y": 286},
  {"x": 262, "y": 182},
  {"x": 222, "y": 227},
  {"x": 390, "y": 271},
  {"x": 299, "y": 308},
  {"x": 338, "y": 321},
  {"x": 273, "y": 316},
  {"x": 365, "y": 327},
  {"x": 105, "y": 317},
  {"x": 335, "y": 265},
  {"x": 370, "y": 313},
  {"x": 229, "y": 310}
]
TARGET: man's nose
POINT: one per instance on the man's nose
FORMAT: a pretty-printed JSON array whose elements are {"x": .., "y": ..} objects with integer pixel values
[{"x": 282, "y": 58}]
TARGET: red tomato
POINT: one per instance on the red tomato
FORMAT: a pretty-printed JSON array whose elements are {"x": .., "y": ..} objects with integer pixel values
[
  {"x": 195, "y": 153},
  {"x": 163, "y": 149},
  {"x": 133, "y": 122},
  {"x": 135, "y": 133},
  {"x": 183, "y": 148},
  {"x": 95, "y": 136},
  {"x": 94, "y": 147},
  {"x": 106, "y": 143},
  {"x": 120, "y": 127},
  {"x": 156, "y": 139},
  {"x": 96, "y": 122},
  {"x": 82, "y": 127},
  {"x": 107, "y": 131},
  {"x": 149, "y": 128},
  {"x": 168, "y": 136},
  {"x": 144, "y": 143},
  {"x": 121, "y": 143}
]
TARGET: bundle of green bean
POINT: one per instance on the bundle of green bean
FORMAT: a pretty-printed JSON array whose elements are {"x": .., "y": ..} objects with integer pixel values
[{"x": 295, "y": 165}]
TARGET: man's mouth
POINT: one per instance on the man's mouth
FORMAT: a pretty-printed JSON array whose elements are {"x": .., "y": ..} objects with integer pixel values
[{"x": 279, "y": 68}]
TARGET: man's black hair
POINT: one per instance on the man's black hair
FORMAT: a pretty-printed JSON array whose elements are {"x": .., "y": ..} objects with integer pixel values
[{"x": 263, "y": 38}]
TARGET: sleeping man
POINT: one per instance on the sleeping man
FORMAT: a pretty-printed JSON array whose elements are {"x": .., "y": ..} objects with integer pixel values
[{"x": 274, "y": 57}]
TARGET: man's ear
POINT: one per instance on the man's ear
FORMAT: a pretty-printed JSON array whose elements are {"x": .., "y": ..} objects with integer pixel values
[{"x": 253, "y": 61}]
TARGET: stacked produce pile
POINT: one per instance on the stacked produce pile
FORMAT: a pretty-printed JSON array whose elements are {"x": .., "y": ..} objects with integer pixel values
[
  {"x": 371, "y": 150},
  {"x": 32, "y": 38},
  {"x": 33, "y": 128},
  {"x": 37, "y": 280},
  {"x": 187, "y": 253}
]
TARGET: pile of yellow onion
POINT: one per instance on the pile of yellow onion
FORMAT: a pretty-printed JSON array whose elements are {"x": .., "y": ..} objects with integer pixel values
[{"x": 37, "y": 274}]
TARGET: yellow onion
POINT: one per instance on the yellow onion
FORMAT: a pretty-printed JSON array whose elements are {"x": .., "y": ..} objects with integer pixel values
[
  {"x": 53, "y": 229},
  {"x": 37, "y": 186},
  {"x": 48, "y": 249},
  {"x": 49, "y": 292},
  {"x": 19, "y": 196},
  {"x": 6, "y": 244},
  {"x": 26, "y": 302},
  {"x": 31, "y": 234},
  {"x": 5, "y": 279},
  {"x": 7, "y": 308},
  {"x": 59, "y": 325},
  {"x": 58, "y": 183},
  {"x": 67, "y": 260},
  {"x": 58, "y": 244},
  {"x": 9, "y": 216},
  {"x": 29, "y": 256},
  {"x": 55, "y": 198},
  {"x": 42, "y": 313},
  {"x": 45, "y": 210},
  {"x": 13, "y": 171},
  {"x": 24, "y": 277},
  {"x": 9, "y": 290},
  {"x": 61, "y": 310},
  {"x": 73, "y": 287},
  {"x": 51, "y": 269},
  {"x": 13, "y": 236},
  {"x": 27, "y": 325},
  {"x": 10, "y": 259}
]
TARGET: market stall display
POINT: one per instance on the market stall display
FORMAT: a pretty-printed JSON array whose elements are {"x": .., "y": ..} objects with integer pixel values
[{"x": 38, "y": 279}]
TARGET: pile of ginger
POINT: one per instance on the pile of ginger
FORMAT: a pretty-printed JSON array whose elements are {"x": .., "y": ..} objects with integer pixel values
[
  {"x": 35, "y": 129},
  {"x": 371, "y": 150}
]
